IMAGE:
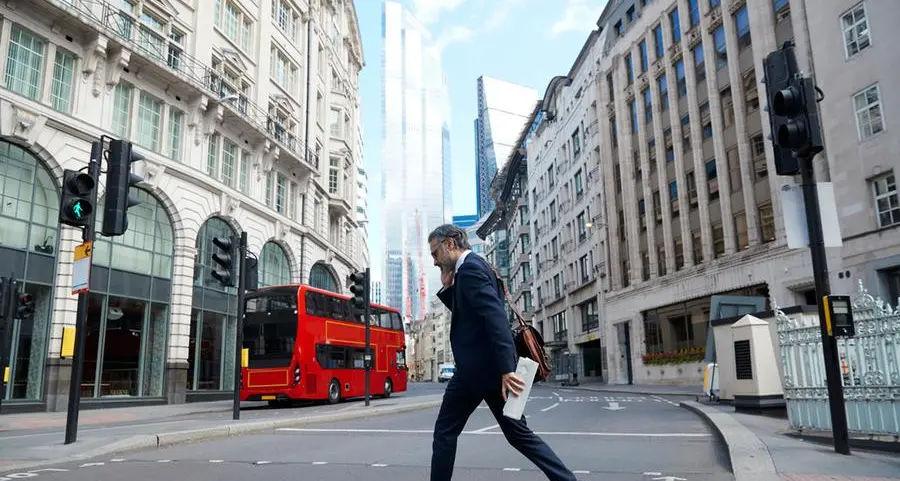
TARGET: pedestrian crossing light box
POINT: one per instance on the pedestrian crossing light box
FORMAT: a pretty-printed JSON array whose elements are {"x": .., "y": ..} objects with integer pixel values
[{"x": 839, "y": 316}]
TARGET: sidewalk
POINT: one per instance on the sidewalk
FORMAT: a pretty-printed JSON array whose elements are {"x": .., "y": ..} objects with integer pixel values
[
  {"x": 643, "y": 389},
  {"x": 761, "y": 450},
  {"x": 28, "y": 441}
]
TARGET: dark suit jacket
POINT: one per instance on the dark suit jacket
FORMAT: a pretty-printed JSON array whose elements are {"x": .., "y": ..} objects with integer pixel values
[{"x": 480, "y": 337}]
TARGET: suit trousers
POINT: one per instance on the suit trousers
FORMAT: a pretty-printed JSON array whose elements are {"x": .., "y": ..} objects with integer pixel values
[{"x": 460, "y": 401}]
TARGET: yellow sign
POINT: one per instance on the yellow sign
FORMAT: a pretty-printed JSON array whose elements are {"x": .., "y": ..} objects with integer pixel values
[
  {"x": 5, "y": 375},
  {"x": 245, "y": 357},
  {"x": 81, "y": 270},
  {"x": 68, "y": 342}
]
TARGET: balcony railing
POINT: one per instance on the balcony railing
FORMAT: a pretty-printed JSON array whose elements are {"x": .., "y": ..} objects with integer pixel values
[{"x": 124, "y": 28}]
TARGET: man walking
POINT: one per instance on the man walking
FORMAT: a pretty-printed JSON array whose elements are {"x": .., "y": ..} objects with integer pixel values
[{"x": 485, "y": 356}]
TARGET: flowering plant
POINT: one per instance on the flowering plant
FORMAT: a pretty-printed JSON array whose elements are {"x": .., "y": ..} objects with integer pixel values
[{"x": 681, "y": 356}]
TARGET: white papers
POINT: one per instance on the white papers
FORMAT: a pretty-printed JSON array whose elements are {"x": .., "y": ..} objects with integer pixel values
[{"x": 526, "y": 369}]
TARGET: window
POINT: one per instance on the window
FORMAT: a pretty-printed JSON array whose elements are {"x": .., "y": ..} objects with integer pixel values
[
  {"x": 334, "y": 171},
  {"x": 285, "y": 18},
  {"x": 585, "y": 269},
  {"x": 645, "y": 60},
  {"x": 25, "y": 63},
  {"x": 590, "y": 319},
  {"x": 648, "y": 106},
  {"x": 718, "y": 241},
  {"x": 334, "y": 122},
  {"x": 234, "y": 23},
  {"x": 694, "y": 12},
  {"x": 714, "y": 3},
  {"x": 676, "y": 26},
  {"x": 176, "y": 126},
  {"x": 663, "y": 92},
  {"x": 767, "y": 222},
  {"x": 721, "y": 53},
  {"x": 742, "y": 20},
  {"x": 121, "y": 123},
  {"x": 856, "y": 30},
  {"x": 680, "y": 79},
  {"x": 630, "y": 68},
  {"x": 61, "y": 88},
  {"x": 679, "y": 255},
  {"x": 699, "y": 63},
  {"x": 149, "y": 122},
  {"x": 229, "y": 162},
  {"x": 887, "y": 203},
  {"x": 697, "y": 244},
  {"x": 634, "y": 116},
  {"x": 868, "y": 112},
  {"x": 712, "y": 179},
  {"x": 658, "y": 41},
  {"x": 284, "y": 72},
  {"x": 582, "y": 227},
  {"x": 673, "y": 190},
  {"x": 645, "y": 266},
  {"x": 579, "y": 185},
  {"x": 661, "y": 260},
  {"x": 740, "y": 229}
]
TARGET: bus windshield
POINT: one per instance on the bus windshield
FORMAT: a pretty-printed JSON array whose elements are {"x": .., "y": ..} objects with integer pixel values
[{"x": 270, "y": 328}]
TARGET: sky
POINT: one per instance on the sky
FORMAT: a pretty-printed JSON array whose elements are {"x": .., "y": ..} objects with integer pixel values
[{"x": 527, "y": 42}]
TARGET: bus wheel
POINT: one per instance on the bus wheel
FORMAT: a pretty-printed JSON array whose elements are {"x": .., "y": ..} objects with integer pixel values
[
  {"x": 388, "y": 387},
  {"x": 334, "y": 391}
]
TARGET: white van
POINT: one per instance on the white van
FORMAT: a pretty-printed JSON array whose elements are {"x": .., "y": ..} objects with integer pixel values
[{"x": 445, "y": 372}]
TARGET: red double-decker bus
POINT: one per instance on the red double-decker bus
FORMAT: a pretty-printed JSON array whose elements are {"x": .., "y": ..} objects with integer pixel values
[{"x": 303, "y": 343}]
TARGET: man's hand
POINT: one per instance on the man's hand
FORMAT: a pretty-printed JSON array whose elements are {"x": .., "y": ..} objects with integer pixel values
[
  {"x": 513, "y": 384},
  {"x": 447, "y": 277}
]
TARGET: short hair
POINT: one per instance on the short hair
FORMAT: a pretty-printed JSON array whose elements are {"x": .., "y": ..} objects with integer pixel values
[{"x": 450, "y": 231}]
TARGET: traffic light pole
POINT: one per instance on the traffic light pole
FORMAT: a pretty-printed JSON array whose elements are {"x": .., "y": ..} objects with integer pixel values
[
  {"x": 367, "y": 314},
  {"x": 820, "y": 275},
  {"x": 8, "y": 288},
  {"x": 239, "y": 328},
  {"x": 81, "y": 314}
]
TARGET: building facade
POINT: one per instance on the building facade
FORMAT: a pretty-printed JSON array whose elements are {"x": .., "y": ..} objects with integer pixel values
[
  {"x": 502, "y": 109},
  {"x": 692, "y": 202},
  {"x": 415, "y": 155},
  {"x": 247, "y": 116},
  {"x": 863, "y": 158}
]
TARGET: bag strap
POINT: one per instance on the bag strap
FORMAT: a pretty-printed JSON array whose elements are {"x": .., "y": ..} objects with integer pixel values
[{"x": 509, "y": 301}]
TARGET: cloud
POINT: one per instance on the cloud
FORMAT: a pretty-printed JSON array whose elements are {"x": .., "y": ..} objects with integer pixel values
[
  {"x": 500, "y": 15},
  {"x": 454, "y": 34},
  {"x": 429, "y": 11},
  {"x": 579, "y": 16}
]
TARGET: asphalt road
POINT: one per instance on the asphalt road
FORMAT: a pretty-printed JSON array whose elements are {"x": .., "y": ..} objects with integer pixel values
[{"x": 611, "y": 437}]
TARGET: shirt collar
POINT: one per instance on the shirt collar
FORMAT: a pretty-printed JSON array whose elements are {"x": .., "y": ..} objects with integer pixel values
[{"x": 462, "y": 257}]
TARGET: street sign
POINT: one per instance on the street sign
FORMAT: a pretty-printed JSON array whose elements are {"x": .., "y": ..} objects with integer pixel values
[{"x": 81, "y": 270}]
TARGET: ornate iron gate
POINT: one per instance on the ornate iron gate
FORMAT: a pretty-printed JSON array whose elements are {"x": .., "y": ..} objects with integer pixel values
[{"x": 870, "y": 367}]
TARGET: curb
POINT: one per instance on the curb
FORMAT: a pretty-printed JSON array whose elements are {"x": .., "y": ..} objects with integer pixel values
[
  {"x": 749, "y": 456},
  {"x": 642, "y": 392},
  {"x": 166, "y": 439}
]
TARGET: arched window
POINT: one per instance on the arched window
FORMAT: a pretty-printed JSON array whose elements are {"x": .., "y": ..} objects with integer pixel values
[
  {"x": 213, "y": 322},
  {"x": 275, "y": 268},
  {"x": 320, "y": 276},
  {"x": 29, "y": 206},
  {"x": 128, "y": 306}
]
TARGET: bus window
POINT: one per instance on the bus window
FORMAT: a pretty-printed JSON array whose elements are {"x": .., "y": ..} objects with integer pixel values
[
  {"x": 331, "y": 356},
  {"x": 396, "y": 322},
  {"x": 315, "y": 304},
  {"x": 270, "y": 329}
]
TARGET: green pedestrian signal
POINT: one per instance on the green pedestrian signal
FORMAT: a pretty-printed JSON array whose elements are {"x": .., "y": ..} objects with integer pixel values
[{"x": 76, "y": 202}]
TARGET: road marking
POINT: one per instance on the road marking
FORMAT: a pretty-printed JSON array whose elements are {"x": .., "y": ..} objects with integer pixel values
[
  {"x": 549, "y": 408},
  {"x": 482, "y": 432},
  {"x": 652, "y": 473},
  {"x": 319, "y": 463},
  {"x": 581, "y": 471},
  {"x": 263, "y": 462},
  {"x": 217, "y": 460},
  {"x": 85, "y": 465},
  {"x": 379, "y": 465},
  {"x": 164, "y": 461},
  {"x": 558, "y": 397},
  {"x": 613, "y": 406},
  {"x": 512, "y": 469},
  {"x": 117, "y": 460}
]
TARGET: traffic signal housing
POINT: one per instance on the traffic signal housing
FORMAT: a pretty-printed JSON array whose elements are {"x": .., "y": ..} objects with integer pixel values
[
  {"x": 76, "y": 204},
  {"x": 119, "y": 181},
  {"x": 793, "y": 111},
  {"x": 359, "y": 288},
  {"x": 25, "y": 309},
  {"x": 224, "y": 259}
]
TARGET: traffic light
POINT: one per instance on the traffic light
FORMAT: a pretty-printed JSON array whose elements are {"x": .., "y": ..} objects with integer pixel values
[
  {"x": 251, "y": 278},
  {"x": 793, "y": 111},
  {"x": 8, "y": 288},
  {"x": 25, "y": 309},
  {"x": 77, "y": 200},
  {"x": 119, "y": 181},
  {"x": 359, "y": 287},
  {"x": 224, "y": 273}
]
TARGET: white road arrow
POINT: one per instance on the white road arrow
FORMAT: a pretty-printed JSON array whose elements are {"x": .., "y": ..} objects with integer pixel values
[
  {"x": 613, "y": 407},
  {"x": 669, "y": 478}
]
